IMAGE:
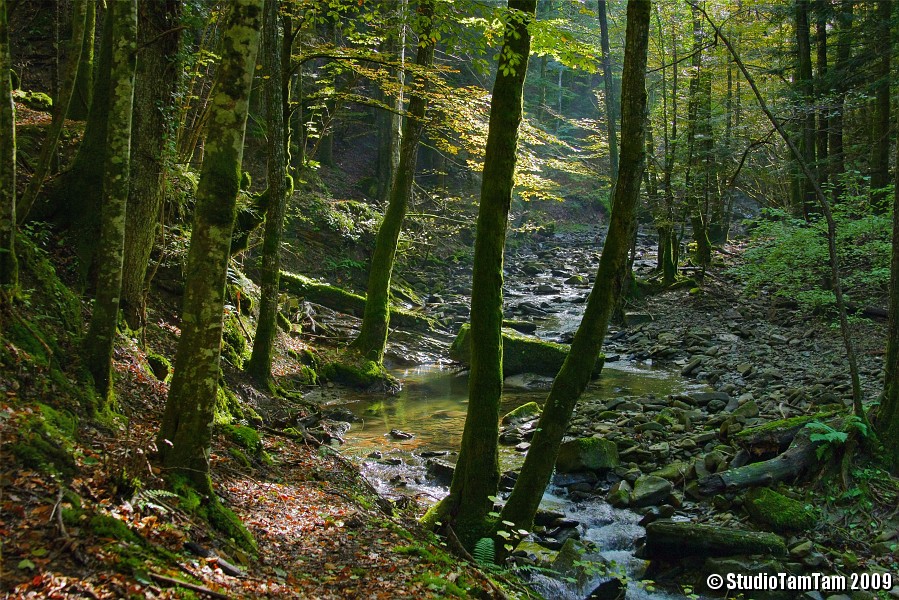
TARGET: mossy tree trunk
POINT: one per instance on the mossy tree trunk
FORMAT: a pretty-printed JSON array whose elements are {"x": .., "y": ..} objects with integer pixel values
[
  {"x": 390, "y": 123},
  {"x": 477, "y": 469},
  {"x": 574, "y": 375},
  {"x": 880, "y": 134},
  {"x": 805, "y": 90},
  {"x": 75, "y": 198},
  {"x": 155, "y": 84},
  {"x": 888, "y": 416},
  {"x": 608, "y": 93},
  {"x": 79, "y": 108},
  {"x": 100, "y": 337},
  {"x": 372, "y": 338},
  {"x": 260, "y": 365},
  {"x": 9, "y": 271},
  {"x": 60, "y": 109},
  {"x": 695, "y": 111},
  {"x": 186, "y": 429}
]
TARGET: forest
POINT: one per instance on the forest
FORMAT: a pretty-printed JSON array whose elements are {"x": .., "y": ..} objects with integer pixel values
[{"x": 561, "y": 299}]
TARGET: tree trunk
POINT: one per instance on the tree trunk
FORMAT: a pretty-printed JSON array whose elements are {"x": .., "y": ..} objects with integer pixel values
[
  {"x": 9, "y": 270},
  {"x": 805, "y": 96},
  {"x": 186, "y": 429},
  {"x": 260, "y": 365},
  {"x": 609, "y": 94},
  {"x": 477, "y": 469},
  {"x": 880, "y": 134},
  {"x": 99, "y": 341},
  {"x": 60, "y": 109},
  {"x": 888, "y": 415},
  {"x": 390, "y": 123},
  {"x": 372, "y": 338},
  {"x": 698, "y": 221},
  {"x": 574, "y": 375},
  {"x": 841, "y": 66},
  {"x": 155, "y": 83},
  {"x": 821, "y": 132},
  {"x": 80, "y": 106}
]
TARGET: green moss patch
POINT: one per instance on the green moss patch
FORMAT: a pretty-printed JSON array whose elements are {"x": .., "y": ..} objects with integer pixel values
[
  {"x": 778, "y": 512},
  {"x": 46, "y": 441},
  {"x": 245, "y": 437},
  {"x": 159, "y": 365},
  {"x": 234, "y": 343},
  {"x": 587, "y": 454}
]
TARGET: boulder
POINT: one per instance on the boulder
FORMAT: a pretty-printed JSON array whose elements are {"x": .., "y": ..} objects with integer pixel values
[
  {"x": 525, "y": 412},
  {"x": 649, "y": 490},
  {"x": 521, "y": 353},
  {"x": 587, "y": 454}
]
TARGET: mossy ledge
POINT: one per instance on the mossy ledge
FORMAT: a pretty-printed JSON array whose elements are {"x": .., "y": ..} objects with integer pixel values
[
  {"x": 357, "y": 372},
  {"x": 347, "y": 302},
  {"x": 521, "y": 353},
  {"x": 778, "y": 512}
]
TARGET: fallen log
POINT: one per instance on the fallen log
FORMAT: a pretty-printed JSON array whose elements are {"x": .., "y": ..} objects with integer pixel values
[
  {"x": 775, "y": 437},
  {"x": 798, "y": 458},
  {"x": 675, "y": 540}
]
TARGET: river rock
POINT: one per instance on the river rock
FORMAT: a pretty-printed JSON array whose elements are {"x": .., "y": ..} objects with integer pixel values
[
  {"x": 576, "y": 280},
  {"x": 440, "y": 470},
  {"x": 620, "y": 494},
  {"x": 587, "y": 454},
  {"x": 545, "y": 289},
  {"x": 400, "y": 435},
  {"x": 525, "y": 412},
  {"x": 649, "y": 490},
  {"x": 691, "y": 366},
  {"x": 613, "y": 589}
]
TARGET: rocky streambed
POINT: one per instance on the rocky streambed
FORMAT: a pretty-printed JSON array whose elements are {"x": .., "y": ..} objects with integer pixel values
[{"x": 642, "y": 454}]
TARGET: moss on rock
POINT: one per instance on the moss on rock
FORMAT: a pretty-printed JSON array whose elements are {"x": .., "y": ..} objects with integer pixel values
[
  {"x": 356, "y": 372},
  {"x": 587, "y": 454},
  {"x": 525, "y": 412},
  {"x": 521, "y": 353},
  {"x": 46, "y": 441},
  {"x": 245, "y": 437},
  {"x": 778, "y": 512},
  {"x": 159, "y": 365},
  {"x": 234, "y": 344}
]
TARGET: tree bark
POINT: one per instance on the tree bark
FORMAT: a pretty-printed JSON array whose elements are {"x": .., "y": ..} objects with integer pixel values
[
  {"x": 260, "y": 365},
  {"x": 695, "y": 155},
  {"x": 372, "y": 338},
  {"x": 9, "y": 270},
  {"x": 880, "y": 134},
  {"x": 98, "y": 343},
  {"x": 609, "y": 93},
  {"x": 841, "y": 66},
  {"x": 186, "y": 428},
  {"x": 805, "y": 96},
  {"x": 821, "y": 131},
  {"x": 477, "y": 469},
  {"x": 390, "y": 130},
  {"x": 155, "y": 83},
  {"x": 574, "y": 375},
  {"x": 79, "y": 108},
  {"x": 60, "y": 110},
  {"x": 888, "y": 415}
]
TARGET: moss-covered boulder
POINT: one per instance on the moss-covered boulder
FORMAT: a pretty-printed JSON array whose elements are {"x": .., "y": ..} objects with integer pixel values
[
  {"x": 347, "y": 302},
  {"x": 45, "y": 440},
  {"x": 778, "y": 512},
  {"x": 159, "y": 365},
  {"x": 521, "y": 353},
  {"x": 356, "y": 372},
  {"x": 587, "y": 454},
  {"x": 525, "y": 412}
]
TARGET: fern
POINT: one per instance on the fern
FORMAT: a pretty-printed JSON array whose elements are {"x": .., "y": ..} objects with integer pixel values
[
  {"x": 151, "y": 498},
  {"x": 484, "y": 551}
]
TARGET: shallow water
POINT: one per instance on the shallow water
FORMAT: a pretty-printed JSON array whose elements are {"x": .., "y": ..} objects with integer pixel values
[{"x": 432, "y": 407}]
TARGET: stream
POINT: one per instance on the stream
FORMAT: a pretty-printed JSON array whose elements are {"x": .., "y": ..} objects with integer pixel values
[{"x": 432, "y": 407}]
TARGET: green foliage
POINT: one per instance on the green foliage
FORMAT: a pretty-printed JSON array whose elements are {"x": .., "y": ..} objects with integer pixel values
[
  {"x": 46, "y": 441},
  {"x": 830, "y": 438},
  {"x": 789, "y": 258},
  {"x": 484, "y": 551},
  {"x": 110, "y": 527},
  {"x": 245, "y": 437}
]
